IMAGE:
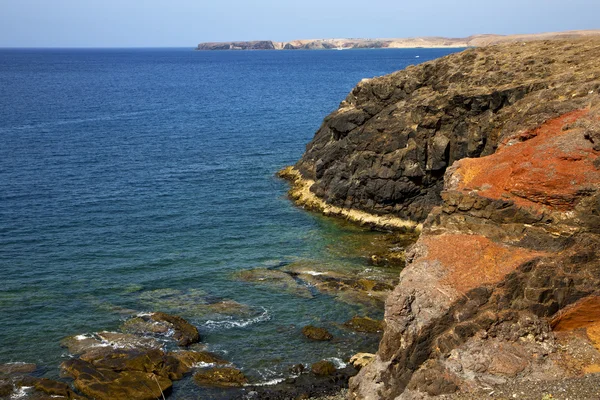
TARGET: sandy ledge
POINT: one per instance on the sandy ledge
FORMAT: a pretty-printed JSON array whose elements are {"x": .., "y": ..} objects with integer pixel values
[{"x": 301, "y": 195}]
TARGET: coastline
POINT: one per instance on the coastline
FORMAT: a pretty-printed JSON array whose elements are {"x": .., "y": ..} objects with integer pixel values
[
  {"x": 477, "y": 40},
  {"x": 302, "y": 196}
]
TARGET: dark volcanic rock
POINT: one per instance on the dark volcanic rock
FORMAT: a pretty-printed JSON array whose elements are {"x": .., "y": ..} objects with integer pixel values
[
  {"x": 386, "y": 149},
  {"x": 315, "y": 333},
  {"x": 307, "y": 385}
]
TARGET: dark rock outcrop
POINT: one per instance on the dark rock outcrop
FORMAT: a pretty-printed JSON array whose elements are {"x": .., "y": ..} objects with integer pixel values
[
  {"x": 387, "y": 147},
  {"x": 511, "y": 253},
  {"x": 496, "y": 152}
]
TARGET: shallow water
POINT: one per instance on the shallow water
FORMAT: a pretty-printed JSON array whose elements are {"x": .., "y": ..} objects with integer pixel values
[{"x": 141, "y": 180}]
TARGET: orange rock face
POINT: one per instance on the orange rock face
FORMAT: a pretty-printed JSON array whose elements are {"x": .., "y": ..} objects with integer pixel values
[
  {"x": 472, "y": 261},
  {"x": 548, "y": 170},
  {"x": 584, "y": 314}
]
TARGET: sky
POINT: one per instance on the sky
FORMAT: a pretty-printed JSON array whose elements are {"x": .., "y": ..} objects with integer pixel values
[{"x": 185, "y": 23}]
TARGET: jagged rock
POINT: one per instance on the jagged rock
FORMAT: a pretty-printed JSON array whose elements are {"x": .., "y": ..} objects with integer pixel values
[
  {"x": 364, "y": 324},
  {"x": 316, "y": 333},
  {"x": 221, "y": 377},
  {"x": 515, "y": 241},
  {"x": 385, "y": 150},
  {"x": 323, "y": 368}
]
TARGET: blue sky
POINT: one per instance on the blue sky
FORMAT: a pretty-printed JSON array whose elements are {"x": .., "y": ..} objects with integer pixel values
[{"x": 158, "y": 23}]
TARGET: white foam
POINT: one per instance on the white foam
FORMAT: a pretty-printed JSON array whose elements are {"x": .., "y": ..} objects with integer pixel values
[
  {"x": 21, "y": 392},
  {"x": 314, "y": 273},
  {"x": 203, "y": 364},
  {"x": 229, "y": 324},
  {"x": 337, "y": 362},
  {"x": 268, "y": 383},
  {"x": 82, "y": 337}
]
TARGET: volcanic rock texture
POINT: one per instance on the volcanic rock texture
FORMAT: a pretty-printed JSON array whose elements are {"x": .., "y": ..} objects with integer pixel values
[
  {"x": 387, "y": 147},
  {"x": 497, "y": 150}
]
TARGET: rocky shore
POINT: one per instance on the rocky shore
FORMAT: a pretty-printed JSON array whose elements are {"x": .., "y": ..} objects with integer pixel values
[
  {"x": 495, "y": 151},
  {"x": 409, "y": 43}
]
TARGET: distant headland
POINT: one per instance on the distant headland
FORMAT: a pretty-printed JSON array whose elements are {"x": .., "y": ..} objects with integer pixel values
[{"x": 415, "y": 42}]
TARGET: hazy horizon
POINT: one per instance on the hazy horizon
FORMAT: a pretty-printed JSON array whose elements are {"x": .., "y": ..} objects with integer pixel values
[{"x": 185, "y": 23}]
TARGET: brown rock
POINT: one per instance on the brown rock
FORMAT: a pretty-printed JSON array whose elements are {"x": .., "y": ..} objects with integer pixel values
[
  {"x": 220, "y": 377},
  {"x": 323, "y": 368},
  {"x": 17, "y": 368},
  {"x": 107, "y": 384},
  {"x": 185, "y": 333},
  {"x": 315, "y": 333},
  {"x": 515, "y": 240},
  {"x": 179, "y": 363},
  {"x": 364, "y": 324},
  {"x": 360, "y": 360},
  {"x": 6, "y": 388}
]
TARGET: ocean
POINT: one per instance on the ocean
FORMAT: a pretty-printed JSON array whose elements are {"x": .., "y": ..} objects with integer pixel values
[{"x": 140, "y": 180}]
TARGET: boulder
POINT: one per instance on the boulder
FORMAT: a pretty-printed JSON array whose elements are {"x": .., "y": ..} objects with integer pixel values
[
  {"x": 323, "y": 368},
  {"x": 185, "y": 333},
  {"x": 316, "y": 333}
]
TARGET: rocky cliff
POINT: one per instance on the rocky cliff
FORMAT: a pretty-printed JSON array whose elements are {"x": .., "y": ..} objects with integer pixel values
[
  {"x": 385, "y": 150},
  {"x": 496, "y": 151},
  {"x": 415, "y": 42}
]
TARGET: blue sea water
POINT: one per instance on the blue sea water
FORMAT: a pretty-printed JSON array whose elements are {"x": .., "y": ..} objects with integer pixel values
[{"x": 142, "y": 179}]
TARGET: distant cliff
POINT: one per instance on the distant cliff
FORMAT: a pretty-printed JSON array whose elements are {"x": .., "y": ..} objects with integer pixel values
[
  {"x": 496, "y": 151},
  {"x": 323, "y": 44}
]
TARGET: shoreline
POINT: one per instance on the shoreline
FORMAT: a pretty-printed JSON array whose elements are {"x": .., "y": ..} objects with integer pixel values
[{"x": 301, "y": 195}]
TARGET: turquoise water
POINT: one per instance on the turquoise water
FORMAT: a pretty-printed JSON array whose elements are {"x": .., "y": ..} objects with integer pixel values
[{"x": 141, "y": 180}]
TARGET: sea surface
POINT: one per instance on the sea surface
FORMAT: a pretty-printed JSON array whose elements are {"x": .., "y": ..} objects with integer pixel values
[{"x": 139, "y": 180}]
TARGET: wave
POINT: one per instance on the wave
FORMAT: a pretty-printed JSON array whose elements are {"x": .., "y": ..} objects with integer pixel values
[{"x": 229, "y": 324}]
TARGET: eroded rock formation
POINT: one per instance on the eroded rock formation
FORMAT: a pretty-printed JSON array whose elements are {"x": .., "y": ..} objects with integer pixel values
[
  {"x": 385, "y": 150},
  {"x": 496, "y": 150}
]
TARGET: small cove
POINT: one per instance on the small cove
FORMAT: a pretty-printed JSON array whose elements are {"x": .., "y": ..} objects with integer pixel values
[{"x": 143, "y": 180}]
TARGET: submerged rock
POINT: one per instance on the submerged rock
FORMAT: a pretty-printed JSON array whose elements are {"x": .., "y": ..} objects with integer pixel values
[
  {"x": 221, "y": 377},
  {"x": 17, "y": 368},
  {"x": 275, "y": 279},
  {"x": 364, "y": 324},
  {"x": 316, "y": 333}
]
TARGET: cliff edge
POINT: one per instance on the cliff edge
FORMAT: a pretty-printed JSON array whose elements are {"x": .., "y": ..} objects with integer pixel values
[{"x": 496, "y": 151}]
